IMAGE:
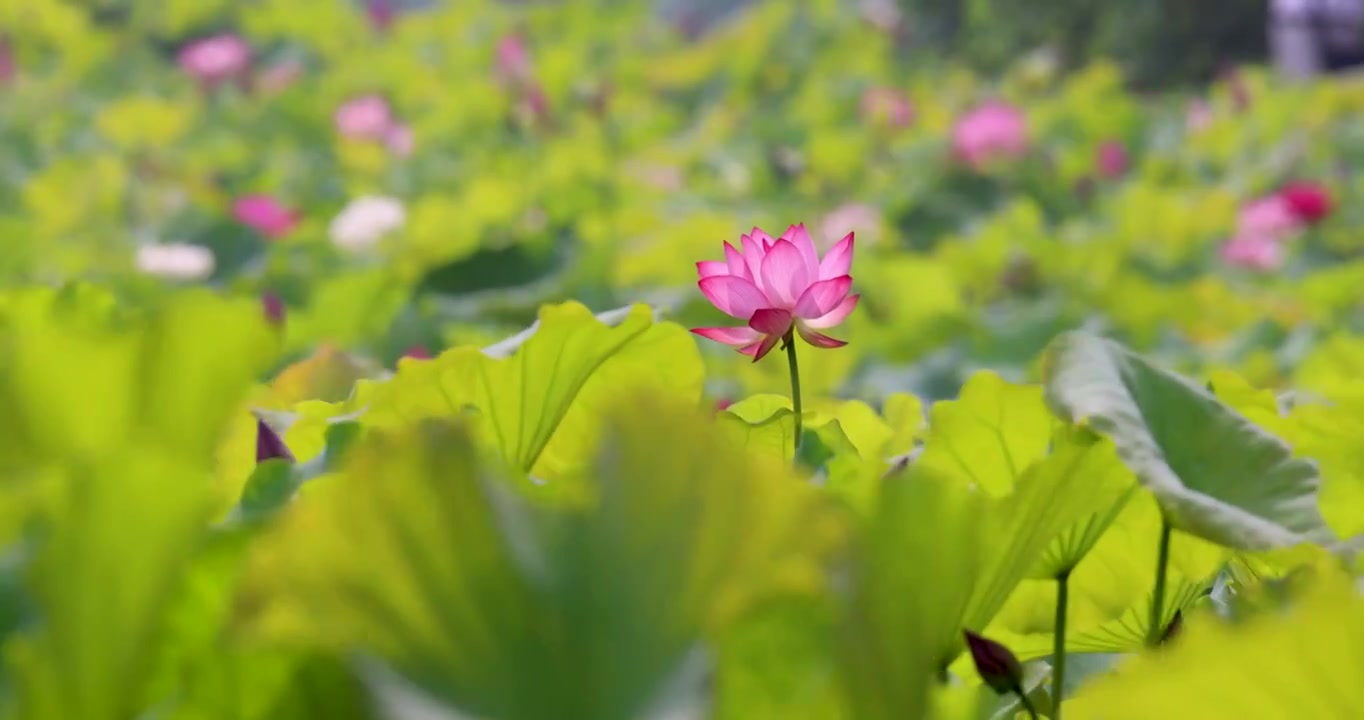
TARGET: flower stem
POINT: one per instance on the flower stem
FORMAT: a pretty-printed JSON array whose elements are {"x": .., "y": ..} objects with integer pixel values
[
  {"x": 790, "y": 341},
  {"x": 1058, "y": 652},
  {"x": 1027, "y": 704},
  {"x": 1157, "y": 628}
]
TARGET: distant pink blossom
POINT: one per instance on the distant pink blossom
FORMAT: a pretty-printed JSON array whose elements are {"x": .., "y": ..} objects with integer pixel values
[
  {"x": 887, "y": 107},
  {"x": 885, "y": 15},
  {"x": 381, "y": 13},
  {"x": 1272, "y": 217},
  {"x": 367, "y": 117},
  {"x": 513, "y": 58},
  {"x": 418, "y": 352},
  {"x": 1261, "y": 253},
  {"x": 1310, "y": 202},
  {"x": 399, "y": 140},
  {"x": 8, "y": 69},
  {"x": 1198, "y": 116},
  {"x": 215, "y": 59},
  {"x": 371, "y": 118},
  {"x": 992, "y": 130},
  {"x": 265, "y": 215},
  {"x": 1111, "y": 160},
  {"x": 863, "y": 219}
]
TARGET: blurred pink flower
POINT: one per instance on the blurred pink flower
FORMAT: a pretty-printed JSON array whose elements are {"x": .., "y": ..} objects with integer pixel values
[
  {"x": 1271, "y": 217},
  {"x": 1310, "y": 202},
  {"x": 1198, "y": 116},
  {"x": 992, "y": 130},
  {"x": 777, "y": 287},
  {"x": 418, "y": 352},
  {"x": 214, "y": 59},
  {"x": 367, "y": 117},
  {"x": 863, "y": 219},
  {"x": 381, "y": 13},
  {"x": 885, "y": 15},
  {"x": 399, "y": 140},
  {"x": 513, "y": 58},
  {"x": 265, "y": 215},
  {"x": 274, "y": 308},
  {"x": 8, "y": 69},
  {"x": 1253, "y": 252},
  {"x": 1112, "y": 160}
]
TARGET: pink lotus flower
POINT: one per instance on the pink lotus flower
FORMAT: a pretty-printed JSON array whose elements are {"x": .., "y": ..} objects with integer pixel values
[
  {"x": 513, "y": 58},
  {"x": 1111, "y": 160},
  {"x": 368, "y": 117},
  {"x": 381, "y": 13},
  {"x": 993, "y": 130},
  {"x": 265, "y": 215},
  {"x": 1308, "y": 201},
  {"x": 1198, "y": 116},
  {"x": 777, "y": 287},
  {"x": 1271, "y": 217},
  {"x": 399, "y": 140},
  {"x": 216, "y": 58},
  {"x": 1261, "y": 253},
  {"x": 852, "y": 217}
]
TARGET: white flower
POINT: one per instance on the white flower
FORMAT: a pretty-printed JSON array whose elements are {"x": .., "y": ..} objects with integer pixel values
[
  {"x": 177, "y": 261},
  {"x": 365, "y": 221}
]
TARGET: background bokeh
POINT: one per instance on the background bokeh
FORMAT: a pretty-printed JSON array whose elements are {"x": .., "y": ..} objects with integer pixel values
[
  {"x": 421, "y": 174},
  {"x": 345, "y": 369}
]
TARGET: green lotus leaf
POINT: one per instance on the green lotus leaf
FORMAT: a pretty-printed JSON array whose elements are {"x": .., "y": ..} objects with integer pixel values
[
  {"x": 537, "y": 400},
  {"x": 1112, "y": 486},
  {"x": 416, "y": 555},
  {"x": 990, "y": 434},
  {"x": 1111, "y": 588},
  {"x": 912, "y": 578},
  {"x": 93, "y": 654},
  {"x": 82, "y": 379},
  {"x": 1303, "y": 662},
  {"x": 1215, "y": 474}
]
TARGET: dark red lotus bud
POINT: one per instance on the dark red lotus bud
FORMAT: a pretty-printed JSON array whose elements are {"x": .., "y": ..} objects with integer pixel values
[
  {"x": 996, "y": 664},
  {"x": 1173, "y": 629},
  {"x": 269, "y": 445},
  {"x": 274, "y": 308},
  {"x": 1309, "y": 201}
]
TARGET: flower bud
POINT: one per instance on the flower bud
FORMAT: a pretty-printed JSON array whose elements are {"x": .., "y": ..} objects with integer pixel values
[
  {"x": 269, "y": 445},
  {"x": 998, "y": 667},
  {"x": 274, "y": 308}
]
